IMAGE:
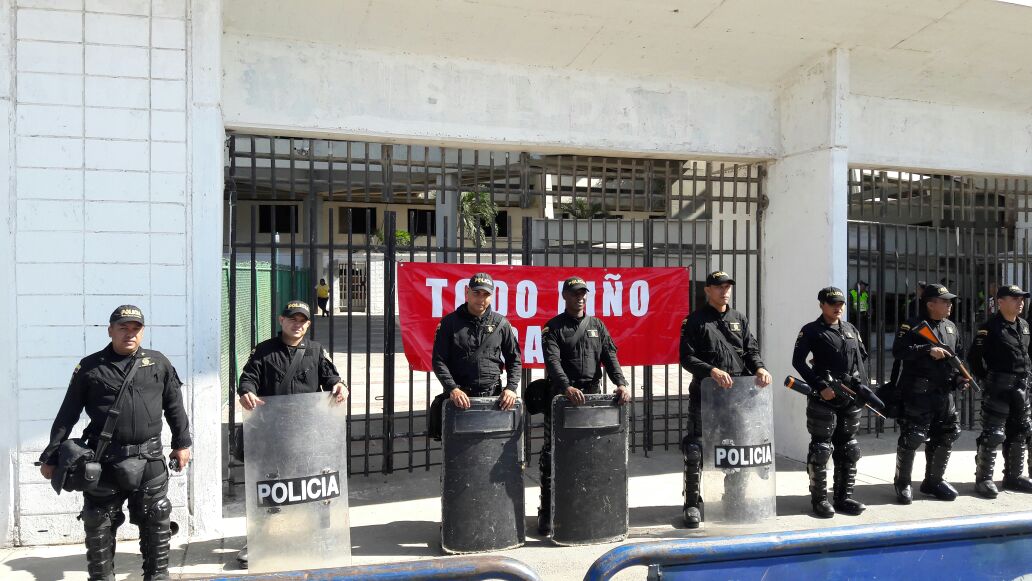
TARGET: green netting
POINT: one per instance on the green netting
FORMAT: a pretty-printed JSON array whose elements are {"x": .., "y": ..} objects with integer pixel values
[{"x": 255, "y": 313}]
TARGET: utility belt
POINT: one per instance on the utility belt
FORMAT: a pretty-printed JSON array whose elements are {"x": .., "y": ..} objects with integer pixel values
[
  {"x": 921, "y": 385},
  {"x": 149, "y": 450},
  {"x": 1002, "y": 380},
  {"x": 478, "y": 391},
  {"x": 587, "y": 385}
]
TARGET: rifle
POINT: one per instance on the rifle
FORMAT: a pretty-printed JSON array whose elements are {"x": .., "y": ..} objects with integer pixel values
[
  {"x": 925, "y": 332},
  {"x": 858, "y": 395}
]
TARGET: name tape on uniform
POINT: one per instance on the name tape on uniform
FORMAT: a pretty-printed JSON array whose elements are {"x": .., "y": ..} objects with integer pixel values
[
  {"x": 299, "y": 490},
  {"x": 742, "y": 456}
]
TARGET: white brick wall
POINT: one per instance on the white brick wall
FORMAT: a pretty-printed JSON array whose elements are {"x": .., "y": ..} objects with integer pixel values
[{"x": 100, "y": 129}]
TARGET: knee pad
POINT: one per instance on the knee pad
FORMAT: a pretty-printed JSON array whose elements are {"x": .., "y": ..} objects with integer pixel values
[
  {"x": 912, "y": 437},
  {"x": 94, "y": 517},
  {"x": 850, "y": 451},
  {"x": 819, "y": 453},
  {"x": 692, "y": 451},
  {"x": 950, "y": 433},
  {"x": 991, "y": 438},
  {"x": 156, "y": 511}
]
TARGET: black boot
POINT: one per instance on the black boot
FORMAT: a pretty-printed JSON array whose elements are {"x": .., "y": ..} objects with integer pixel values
[
  {"x": 544, "y": 516},
  {"x": 1013, "y": 465},
  {"x": 935, "y": 467},
  {"x": 692, "y": 452},
  {"x": 985, "y": 462},
  {"x": 845, "y": 480},
  {"x": 100, "y": 526},
  {"x": 904, "y": 467},
  {"x": 819, "y": 490}
]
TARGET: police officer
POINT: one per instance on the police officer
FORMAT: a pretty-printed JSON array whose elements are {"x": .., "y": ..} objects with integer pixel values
[
  {"x": 1000, "y": 354},
  {"x": 860, "y": 303},
  {"x": 572, "y": 358},
  {"x": 832, "y": 420},
  {"x": 265, "y": 372},
  {"x": 132, "y": 466},
  {"x": 472, "y": 345},
  {"x": 715, "y": 342},
  {"x": 927, "y": 380}
]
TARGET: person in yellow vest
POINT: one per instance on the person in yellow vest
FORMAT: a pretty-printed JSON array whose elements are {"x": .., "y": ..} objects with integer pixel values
[
  {"x": 860, "y": 306},
  {"x": 322, "y": 292}
]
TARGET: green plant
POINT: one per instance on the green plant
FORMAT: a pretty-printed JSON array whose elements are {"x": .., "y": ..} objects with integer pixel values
[
  {"x": 581, "y": 209},
  {"x": 402, "y": 238},
  {"x": 476, "y": 209}
]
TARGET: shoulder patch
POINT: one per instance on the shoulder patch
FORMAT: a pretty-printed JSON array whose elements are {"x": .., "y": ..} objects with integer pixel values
[
  {"x": 544, "y": 330},
  {"x": 252, "y": 352},
  {"x": 904, "y": 327},
  {"x": 983, "y": 332},
  {"x": 800, "y": 336},
  {"x": 77, "y": 368}
]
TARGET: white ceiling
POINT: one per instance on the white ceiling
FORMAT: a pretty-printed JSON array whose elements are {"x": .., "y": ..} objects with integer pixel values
[{"x": 965, "y": 52}]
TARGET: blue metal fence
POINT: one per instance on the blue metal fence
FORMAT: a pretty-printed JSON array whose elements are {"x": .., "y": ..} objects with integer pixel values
[{"x": 972, "y": 547}]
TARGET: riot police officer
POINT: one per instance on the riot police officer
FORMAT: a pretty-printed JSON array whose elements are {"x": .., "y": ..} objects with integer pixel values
[
  {"x": 289, "y": 353},
  {"x": 575, "y": 344},
  {"x": 1000, "y": 354},
  {"x": 266, "y": 368},
  {"x": 132, "y": 465},
  {"x": 927, "y": 379},
  {"x": 832, "y": 420},
  {"x": 715, "y": 342},
  {"x": 472, "y": 345}
]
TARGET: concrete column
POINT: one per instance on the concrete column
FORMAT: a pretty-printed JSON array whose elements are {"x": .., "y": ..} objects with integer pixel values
[
  {"x": 805, "y": 229},
  {"x": 8, "y": 359},
  {"x": 447, "y": 206},
  {"x": 206, "y": 137}
]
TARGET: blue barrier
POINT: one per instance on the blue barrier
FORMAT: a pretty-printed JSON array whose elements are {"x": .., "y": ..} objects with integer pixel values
[
  {"x": 502, "y": 568},
  {"x": 974, "y": 547}
]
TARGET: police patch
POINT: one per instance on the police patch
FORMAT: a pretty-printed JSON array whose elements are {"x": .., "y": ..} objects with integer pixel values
[
  {"x": 490, "y": 328},
  {"x": 146, "y": 362},
  {"x": 983, "y": 332},
  {"x": 949, "y": 330},
  {"x": 904, "y": 327},
  {"x": 800, "y": 336},
  {"x": 544, "y": 330},
  {"x": 592, "y": 333},
  {"x": 849, "y": 335},
  {"x": 734, "y": 326}
]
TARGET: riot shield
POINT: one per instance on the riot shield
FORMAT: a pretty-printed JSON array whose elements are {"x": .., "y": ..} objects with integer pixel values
[
  {"x": 482, "y": 480},
  {"x": 297, "y": 488},
  {"x": 589, "y": 471},
  {"x": 737, "y": 452}
]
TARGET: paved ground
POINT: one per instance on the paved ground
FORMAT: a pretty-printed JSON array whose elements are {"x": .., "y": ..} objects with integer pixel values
[{"x": 396, "y": 518}]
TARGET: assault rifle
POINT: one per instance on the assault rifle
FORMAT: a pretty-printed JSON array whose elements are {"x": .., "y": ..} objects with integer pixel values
[
  {"x": 855, "y": 393},
  {"x": 925, "y": 332}
]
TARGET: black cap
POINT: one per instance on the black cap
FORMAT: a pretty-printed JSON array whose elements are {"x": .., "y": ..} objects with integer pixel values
[
  {"x": 718, "y": 277},
  {"x": 126, "y": 313},
  {"x": 830, "y": 294},
  {"x": 297, "y": 308},
  {"x": 1011, "y": 290},
  {"x": 481, "y": 281},
  {"x": 574, "y": 283},
  {"x": 934, "y": 290}
]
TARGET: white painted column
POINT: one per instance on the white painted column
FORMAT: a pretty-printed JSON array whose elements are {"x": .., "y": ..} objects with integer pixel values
[
  {"x": 8, "y": 359},
  {"x": 805, "y": 228},
  {"x": 207, "y": 137}
]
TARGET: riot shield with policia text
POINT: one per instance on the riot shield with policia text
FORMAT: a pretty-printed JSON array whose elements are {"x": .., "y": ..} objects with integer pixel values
[
  {"x": 297, "y": 489},
  {"x": 589, "y": 470},
  {"x": 738, "y": 452},
  {"x": 482, "y": 479}
]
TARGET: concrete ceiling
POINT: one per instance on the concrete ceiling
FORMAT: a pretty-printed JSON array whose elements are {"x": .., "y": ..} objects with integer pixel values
[{"x": 964, "y": 52}]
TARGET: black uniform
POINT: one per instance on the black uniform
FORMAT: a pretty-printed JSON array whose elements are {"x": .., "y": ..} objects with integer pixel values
[
  {"x": 929, "y": 413},
  {"x": 457, "y": 363},
  {"x": 838, "y": 352},
  {"x": 270, "y": 360},
  {"x": 577, "y": 365},
  {"x": 1000, "y": 355},
  {"x": 155, "y": 389},
  {"x": 710, "y": 339}
]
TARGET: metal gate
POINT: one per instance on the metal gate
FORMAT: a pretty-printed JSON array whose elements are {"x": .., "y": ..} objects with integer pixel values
[
  {"x": 967, "y": 232},
  {"x": 349, "y": 211}
]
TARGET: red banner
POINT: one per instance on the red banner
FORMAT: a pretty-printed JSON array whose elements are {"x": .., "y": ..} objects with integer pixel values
[{"x": 642, "y": 307}]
